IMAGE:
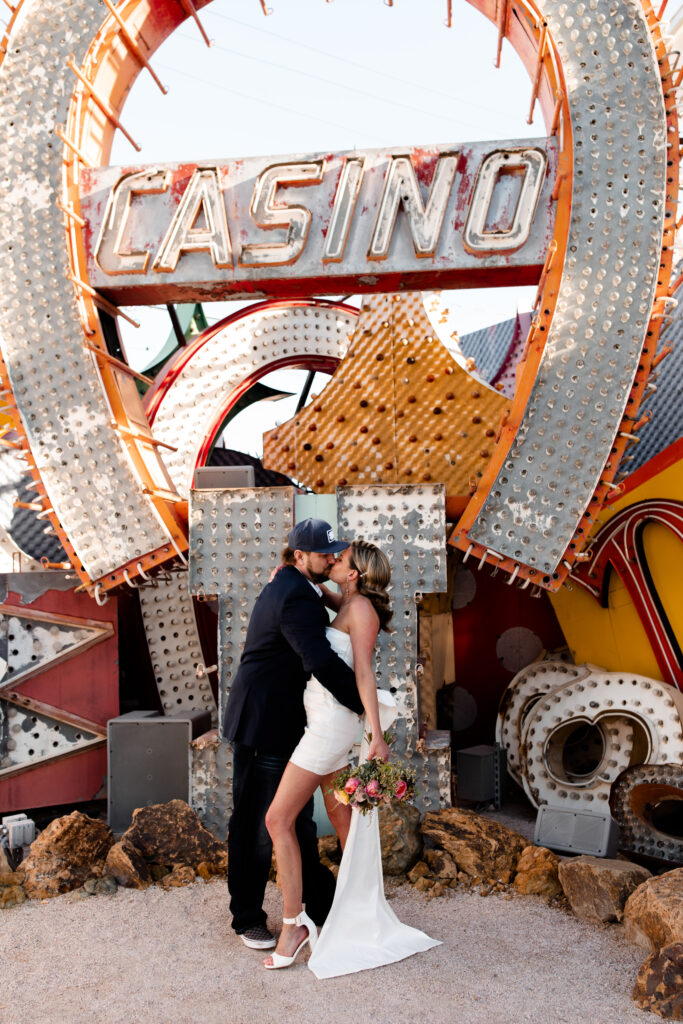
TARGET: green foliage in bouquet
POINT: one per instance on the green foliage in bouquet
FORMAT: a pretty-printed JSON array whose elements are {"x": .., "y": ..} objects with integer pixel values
[{"x": 372, "y": 783}]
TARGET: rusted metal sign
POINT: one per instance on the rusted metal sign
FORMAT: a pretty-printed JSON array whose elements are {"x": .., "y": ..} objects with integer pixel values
[{"x": 377, "y": 220}]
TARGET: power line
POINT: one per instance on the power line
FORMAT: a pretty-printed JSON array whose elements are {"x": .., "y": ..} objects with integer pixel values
[
  {"x": 328, "y": 81},
  {"x": 352, "y": 63},
  {"x": 267, "y": 103}
]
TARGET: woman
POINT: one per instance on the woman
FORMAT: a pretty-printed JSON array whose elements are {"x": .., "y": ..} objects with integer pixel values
[{"x": 363, "y": 574}]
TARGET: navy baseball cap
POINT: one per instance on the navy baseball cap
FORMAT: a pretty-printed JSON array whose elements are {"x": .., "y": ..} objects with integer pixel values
[{"x": 315, "y": 535}]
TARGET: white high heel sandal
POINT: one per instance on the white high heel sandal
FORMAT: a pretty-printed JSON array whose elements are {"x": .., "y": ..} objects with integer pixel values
[{"x": 301, "y": 919}]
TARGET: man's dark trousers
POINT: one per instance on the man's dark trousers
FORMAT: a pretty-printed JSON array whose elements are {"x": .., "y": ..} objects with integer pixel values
[{"x": 256, "y": 776}]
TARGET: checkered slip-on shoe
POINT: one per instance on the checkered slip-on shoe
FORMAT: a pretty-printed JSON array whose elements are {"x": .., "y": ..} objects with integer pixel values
[{"x": 258, "y": 937}]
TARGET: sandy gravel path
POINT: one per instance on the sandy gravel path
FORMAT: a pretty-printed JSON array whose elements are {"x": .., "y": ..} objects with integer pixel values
[{"x": 160, "y": 957}]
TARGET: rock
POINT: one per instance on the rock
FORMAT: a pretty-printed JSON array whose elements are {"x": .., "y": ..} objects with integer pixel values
[
  {"x": 421, "y": 870},
  {"x": 11, "y": 896},
  {"x": 659, "y": 985},
  {"x": 90, "y": 886},
  {"x": 399, "y": 836},
  {"x": 70, "y": 850},
  {"x": 537, "y": 872},
  {"x": 106, "y": 886},
  {"x": 5, "y": 866},
  {"x": 479, "y": 846},
  {"x": 12, "y": 877},
  {"x": 441, "y": 864},
  {"x": 204, "y": 871},
  {"x": 329, "y": 849},
  {"x": 126, "y": 864},
  {"x": 173, "y": 834},
  {"x": 182, "y": 874},
  {"x": 598, "y": 888},
  {"x": 159, "y": 871},
  {"x": 653, "y": 916},
  {"x": 423, "y": 884}
]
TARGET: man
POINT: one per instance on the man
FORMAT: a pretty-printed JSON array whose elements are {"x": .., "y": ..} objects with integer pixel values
[{"x": 265, "y": 719}]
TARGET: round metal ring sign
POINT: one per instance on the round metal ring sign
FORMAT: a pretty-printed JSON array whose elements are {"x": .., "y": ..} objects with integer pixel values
[{"x": 589, "y": 212}]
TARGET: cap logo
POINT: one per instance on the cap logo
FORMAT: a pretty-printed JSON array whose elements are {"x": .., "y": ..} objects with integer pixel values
[{"x": 330, "y": 536}]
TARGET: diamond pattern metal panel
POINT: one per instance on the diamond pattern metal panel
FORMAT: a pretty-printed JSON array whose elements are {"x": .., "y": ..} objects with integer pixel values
[
  {"x": 607, "y": 287},
  {"x": 175, "y": 648},
  {"x": 409, "y": 525},
  {"x": 398, "y": 409},
  {"x": 55, "y": 382}
]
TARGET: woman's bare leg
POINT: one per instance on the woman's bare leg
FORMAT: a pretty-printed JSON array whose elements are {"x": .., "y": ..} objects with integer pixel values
[
  {"x": 339, "y": 814},
  {"x": 296, "y": 788}
]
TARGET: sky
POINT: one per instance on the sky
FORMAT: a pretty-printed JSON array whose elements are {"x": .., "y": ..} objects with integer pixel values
[{"x": 313, "y": 76}]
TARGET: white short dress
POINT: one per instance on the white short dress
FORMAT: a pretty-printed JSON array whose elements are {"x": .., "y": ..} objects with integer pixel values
[{"x": 331, "y": 728}]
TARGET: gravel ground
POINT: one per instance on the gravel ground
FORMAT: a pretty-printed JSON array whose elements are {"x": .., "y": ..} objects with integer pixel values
[{"x": 159, "y": 957}]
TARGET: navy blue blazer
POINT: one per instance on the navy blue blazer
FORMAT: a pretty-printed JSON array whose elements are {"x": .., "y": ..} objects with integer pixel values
[{"x": 285, "y": 645}]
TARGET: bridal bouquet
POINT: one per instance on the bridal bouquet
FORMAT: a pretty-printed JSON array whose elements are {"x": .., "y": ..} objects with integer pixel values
[{"x": 373, "y": 783}]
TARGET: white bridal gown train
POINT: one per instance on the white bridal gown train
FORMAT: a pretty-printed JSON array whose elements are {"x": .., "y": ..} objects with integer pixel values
[{"x": 361, "y": 930}]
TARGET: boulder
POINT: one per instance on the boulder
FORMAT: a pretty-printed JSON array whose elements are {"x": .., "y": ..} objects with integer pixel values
[
  {"x": 5, "y": 865},
  {"x": 399, "y": 836},
  {"x": 653, "y": 916},
  {"x": 126, "y": 864},
  {"x": 598, "y": 888},
  {"x": 173, "y": 834},
  {"x": 182, "y": 874},
  {"x": 537, "y": 872},
  {"x": 11, "y": 896},
  {"x": 67, "y": 852},
  {"x": 659, "y": 985},
  {"x": 480, "y": 847},
  {"x": 441, "y": 864},
  {"x": 329, "y": 849}
]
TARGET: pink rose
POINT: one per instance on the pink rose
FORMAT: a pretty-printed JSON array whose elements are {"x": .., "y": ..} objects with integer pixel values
[
  {"x": 401, "y": 789},
  {"x": 352, "y": 785},
  {"x": 372, "y": 788}
]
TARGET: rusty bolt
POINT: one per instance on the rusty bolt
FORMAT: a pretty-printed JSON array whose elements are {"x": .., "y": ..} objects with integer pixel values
[
  {"x": 363, "y": 403},
  {"x": 330, "y": 445},
  {"x": 476, "y": 419},
  {"x": 291, "y": 465},
  {"x": 320, "y": 483},
  {"x": 312, "y": 426},
  {"x": 377, "y": 440},
  {"x": 285, "y": 447},
  {"x": 317, "y": 408},
  {"x": 318, "y": 458},
  {"x": 381, "y": 408},
  {"x": 437, "y": 410},
  {"x": 342, "y": 481},
  {"x": 388, "y": 465},
  {"x": 412, "y": 398},
  {"x": 363, "y": 429},
  {"x": 340, "y": 419},
  {"x": 307, "y": 447},
  {"x": 413, "y": 437},
  {"x": 438, "y": 437},
  {"x": 430, "y": 377},
  {"x": 427, "y": 476},
  {"x": 379, "y": 357},
  {"x": 450, "y": 396}
]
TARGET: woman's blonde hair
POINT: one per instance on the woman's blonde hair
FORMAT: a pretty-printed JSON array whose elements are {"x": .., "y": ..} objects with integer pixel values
[{"x": 374, "y": 576}]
